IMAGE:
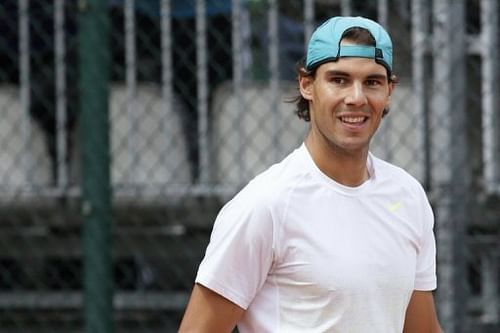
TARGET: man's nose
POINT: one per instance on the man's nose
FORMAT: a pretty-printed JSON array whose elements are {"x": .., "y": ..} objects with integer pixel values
[{"x": 355, "y": 95}]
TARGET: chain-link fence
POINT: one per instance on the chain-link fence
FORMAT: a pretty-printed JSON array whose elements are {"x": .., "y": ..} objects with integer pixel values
[{"x": 125, "y": 192}]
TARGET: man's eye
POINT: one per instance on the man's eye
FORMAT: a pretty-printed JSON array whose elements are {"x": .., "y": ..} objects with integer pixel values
[
  {"x": 373, "y": 83},
  {"x": 338, "y": 80}
]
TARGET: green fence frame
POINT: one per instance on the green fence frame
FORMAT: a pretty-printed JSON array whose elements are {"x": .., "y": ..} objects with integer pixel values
[{"x": 96, "y": 186}]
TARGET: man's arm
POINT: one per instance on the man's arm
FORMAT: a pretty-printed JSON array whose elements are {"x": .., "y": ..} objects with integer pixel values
[
  {"x": 421, "y": 314},
  {"x": 208, "y": 311}
]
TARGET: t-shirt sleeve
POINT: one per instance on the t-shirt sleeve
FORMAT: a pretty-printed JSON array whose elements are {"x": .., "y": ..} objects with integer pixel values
[
  {"x": 425, "y": 278},
  {"x": 240, "y": 252}
]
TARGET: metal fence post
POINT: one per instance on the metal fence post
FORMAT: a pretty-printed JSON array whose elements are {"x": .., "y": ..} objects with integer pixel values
[
  {"x": 95, "y": 150},
  {"x": 24, "y": 80},
  {"x": 449, "y": 159},
  {"x": 61, "y": 103},
  {"x": 489, "y": 88}
]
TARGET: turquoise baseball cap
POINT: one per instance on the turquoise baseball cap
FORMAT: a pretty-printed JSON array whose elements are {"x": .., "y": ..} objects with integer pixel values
[{"x": 324, "y": 45}]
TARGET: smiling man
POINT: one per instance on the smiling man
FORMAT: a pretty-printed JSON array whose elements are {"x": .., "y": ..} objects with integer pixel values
[{"x": 331, "y": 239}]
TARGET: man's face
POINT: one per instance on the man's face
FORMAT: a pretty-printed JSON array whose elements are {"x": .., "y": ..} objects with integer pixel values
[{"x": 346, "y": 102}]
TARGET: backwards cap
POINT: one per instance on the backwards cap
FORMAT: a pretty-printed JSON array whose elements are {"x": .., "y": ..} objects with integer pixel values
[{"x": 324, "y": 45}]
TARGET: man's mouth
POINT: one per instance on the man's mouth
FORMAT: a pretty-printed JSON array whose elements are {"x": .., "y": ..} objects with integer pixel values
[{"x": 353, "y": 120}]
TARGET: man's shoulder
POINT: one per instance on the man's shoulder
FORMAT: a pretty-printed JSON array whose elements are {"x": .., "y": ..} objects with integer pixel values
[
  {"x": 277, "y": 179},
  {"x": 265, "y": 195},
  {"x": 388, "y": 171}
]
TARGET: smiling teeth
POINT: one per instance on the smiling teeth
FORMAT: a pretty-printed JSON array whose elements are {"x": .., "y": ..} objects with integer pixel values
[{"x": 353, "y": 120}]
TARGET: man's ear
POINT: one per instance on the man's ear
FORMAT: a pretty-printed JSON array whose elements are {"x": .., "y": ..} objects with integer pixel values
[
  {"x": 306, "y": 86},
  {"x": 392, "y": 86},
  {"x": 388, "y": 101}
]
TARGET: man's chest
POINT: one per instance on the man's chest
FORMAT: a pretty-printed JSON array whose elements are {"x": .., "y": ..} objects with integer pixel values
[{"x": 347, "y": 246}]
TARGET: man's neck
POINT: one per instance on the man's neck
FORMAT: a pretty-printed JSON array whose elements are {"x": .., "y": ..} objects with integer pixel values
[{"x": 345, "y": 167}]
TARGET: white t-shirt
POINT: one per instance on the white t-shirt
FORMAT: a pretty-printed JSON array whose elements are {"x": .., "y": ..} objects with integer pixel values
[{"x": 303, "y": 253}]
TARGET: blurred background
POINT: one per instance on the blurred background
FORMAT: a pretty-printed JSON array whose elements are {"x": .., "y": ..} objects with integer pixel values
[{"x": 106, "y": 208}]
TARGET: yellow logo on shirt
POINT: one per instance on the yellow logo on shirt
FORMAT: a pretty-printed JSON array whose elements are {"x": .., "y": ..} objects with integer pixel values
[{"x": 395, "y": 206}]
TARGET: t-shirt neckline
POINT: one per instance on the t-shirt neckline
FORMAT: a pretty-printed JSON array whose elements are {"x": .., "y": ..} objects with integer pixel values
[{"x": 349, "y": 190}]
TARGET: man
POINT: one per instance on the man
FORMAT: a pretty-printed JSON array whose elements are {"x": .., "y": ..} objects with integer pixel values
[{"x": 331, "y": 239}]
